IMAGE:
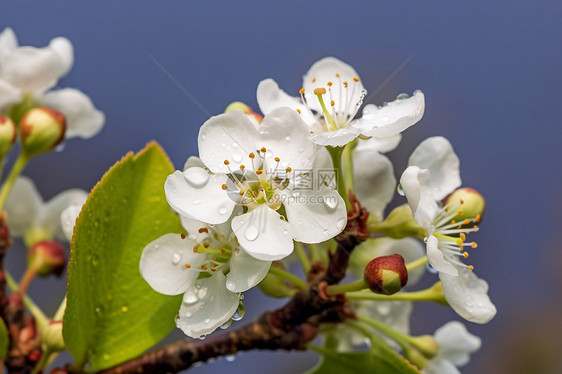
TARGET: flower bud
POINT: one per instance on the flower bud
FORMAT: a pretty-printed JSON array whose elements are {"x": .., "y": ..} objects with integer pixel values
[
  {"x": 469, "y": 203},
  {"x": 52, "y": 337},
  {"x": 426, "y": 344},
  {"x": 41, "y": 130},
  {"x": 46, "y": 257},
  {"x": 7, "y": 135},
  {"x": 275, "y": 286},
  {"x": 400, "y": 223},
  {"x": 416, "y": 358},
  {"x": 238, "y": 105},
  {"x": 386, "y": 274}
]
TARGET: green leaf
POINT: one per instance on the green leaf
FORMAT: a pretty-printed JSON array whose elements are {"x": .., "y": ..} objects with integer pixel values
[
  {"x": 4, "y": 340},
  {"x": 376, "y": 361},
  {"x": 112, "y": 314}
]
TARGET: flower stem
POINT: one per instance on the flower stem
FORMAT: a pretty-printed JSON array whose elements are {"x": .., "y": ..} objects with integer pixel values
[
  {"x": 303, "y": 258},
  {"x": 314, "y": 252},
  {"x": 397, "y": 336},
  {"x": 434, "y": 293},
  {"x": 17, "y": 168},
  {"x": 40, "y": 317},
  {"x": 337, "y": 289},
  {"x": 336, "y": 154},
  {"x": 417, "y": 263},
  {"x": 26, "y": 280},
  {"x": 348, "y": 164},
  {"x": 296, "y": 281}
]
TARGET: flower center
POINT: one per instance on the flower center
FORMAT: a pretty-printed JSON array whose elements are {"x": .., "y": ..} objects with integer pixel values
[
  {"x": 217, "y": 251},
  {"x": 344, "y": 104},
  {"x": 452, "y": 235},
  {"x": 260, "y": 185}
]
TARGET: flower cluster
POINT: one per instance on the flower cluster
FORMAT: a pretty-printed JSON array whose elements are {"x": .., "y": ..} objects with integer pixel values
[{"x": 248, "y": 200}]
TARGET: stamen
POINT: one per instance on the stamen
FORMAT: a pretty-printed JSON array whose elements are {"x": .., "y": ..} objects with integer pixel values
[
  {"x": 241, "y": 192},
  {"x": 288, "y": 170},
  {"x": 242, "y": 167},
  {"x": 319, "y": 92},
  {"x": 252, "y": 155},
  {"x": 470, "y": 267},
  {"x": 337, "y": 75},
  {"x": 224, "y": 187},
  {"x": 258, "y": 172},
  {"x": 301, "y": 91},
  {"x": 223, "y": 250},
  {"x": 329, "y": 84},
  {"x": 203, "y": 267},
  {"x": 206, "y": 245},
  {"x": 187, "y": 266},
  {"x": 203, "y": 229},
  {"x": 213, "y": 268},
  {"x": 356, "y": 79},
  {"x": 345, "y": 83},
  {"x": 478, "y": 218},
  {"x": 313, "y": 80},
  {"x": 226, "y": 162},
  {"x": 182, "y": 235},
  {"x": 465, "y": 254}
]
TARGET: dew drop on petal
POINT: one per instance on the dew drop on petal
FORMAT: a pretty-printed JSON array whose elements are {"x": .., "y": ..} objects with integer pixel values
[
  {"x": 202, "y": 337},
  {"x": 402, "y": 96},
  {"x": 251, "y": 233},
  {"x": 288, "y": 138},
  {"x": 237, "y": 157},
  {"x": 176, "y": 258},
  {"x": 188, "y": 314},
  {"x": 341, "y": 223},
  {"x": 400, "y": 190},
  {"x": 207, "y": 321},
  {"x": 431, "y": 269},
  {"x": 223, "y": 210},
  {"x": 223, "y": 144},
  {"x": 226, "y": 325},
  {"x": 331, "y": 203},
  {"x": 285, "y": 232},
  {"x": 196, "y": 202},
  {"x": 234, "y": 145},
  {"x": 196, "y": 177},
  {"x": 189, "y": 297}
]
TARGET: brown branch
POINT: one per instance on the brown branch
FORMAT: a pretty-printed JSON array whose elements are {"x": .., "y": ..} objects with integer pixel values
[{"x": 287, "y": 328}]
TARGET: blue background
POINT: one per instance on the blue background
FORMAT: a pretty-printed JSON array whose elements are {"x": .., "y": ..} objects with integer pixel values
[{"x": 491, "y": 73}]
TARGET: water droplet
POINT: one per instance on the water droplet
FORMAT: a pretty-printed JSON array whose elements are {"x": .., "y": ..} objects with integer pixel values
[
  {"x": 226, "y": 325},
  {"x": 223, "y": 144},
  {"x": 202, "y": 337},
  {"x": 203, "y": 136},
  {"x": 124, "y": 309},
  {"x": 196, "y": 177},
  {"x": 431, "y": 269},
  {"x": 207, "y": 321},
  {"x": 196, "y": 202},
  {"x": 331, "y": 203},
  {"x": 230, "y": 358},
  {"x": 400, "y": 190},
  {"x": 402, "y": 96},
  {"x": 223, "y": 210},
  {"x": 341, "y": 223},
  {"x": 300, "y": 150},
  {"x": 237, "y": 157},
  {"x": 288, "y": 138},
  {"x": 176, "y": 258},
  {"x": 251, "y": 232},
  {"x": 234, "y": 145},
  {"x": 188, "y": 314},
  {"x": 189, "y": 297},
  {"x": 106, "y": 356},
  {"x": 240, "y": 312},
  {"x": 285, "y": 232}
]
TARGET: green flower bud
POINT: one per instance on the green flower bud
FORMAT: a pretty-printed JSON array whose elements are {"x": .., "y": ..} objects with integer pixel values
[
  {"x": 7, "y": 135},
  {"x": 400, "y": 223},
  {"x": 52, "y": 337},
  {"x": 469, "y": 203},
  {"x": 416, "y": 358},
  {"x": 46, "y": 257},
  {"x": 426, "y": 344},
  {"x": 238, "y": 105},
  {"x": 41, "y": 130},
  {"x": 275, "y": 286},
  {"x": 386, "y": 274}
]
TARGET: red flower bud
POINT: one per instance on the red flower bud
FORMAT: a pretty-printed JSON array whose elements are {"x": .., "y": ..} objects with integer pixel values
[
  {"x": 386, "y": 274},
  {"x": 41, "y": 130},
  {"x": 47, "y": 257}
]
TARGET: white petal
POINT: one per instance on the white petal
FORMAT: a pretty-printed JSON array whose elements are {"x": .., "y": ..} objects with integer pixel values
[
  {"x": 456, "y": 343},
  {"x": 337, "y": 138},
  {"x": 163, "y": 261},
  {"x": 415, "y": 183},
  {"x": 441, "y": 366},
  {"x": 206, "y": 308},
  {"x": 315, "y": 216},
  {"x": 68, "y": 219},
  {"x": 9, "y": 95},
  {"x": 197, "y": 194},
  {"x": 382, "y": 145},
  {"x": 222, "y": 230},
  {"x": 375, "y": 183},
  {"x": 230, "y": 136},
  {"x": 245, "y": 271},
  {"x": 82, "y": 118},
  {"x": 392, "y": 118},
  {"x": 50, "y": 216},
  {"x": 410, "y": 249},
  {"x": 271, "y": 97},
  {"x": 33, "y": 69},
  {"x": 8, "y": 42},
  {"x": 468, "y": 296},
  {"x": 193, "y": 161},
  {"x": 325, "y": 71},
  {"x": 285, "y": 135},
  {"x": 437, "y": 260},
  {"x": 437, "y": 155},
  {"x": 263, "y": 234},
  {"x": 63, "y": 47},
  {"x": 23, "y": 206}
]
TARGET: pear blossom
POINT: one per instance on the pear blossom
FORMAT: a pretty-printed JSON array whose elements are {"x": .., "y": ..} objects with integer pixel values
[
  {"x": 206, "y": 265},
  {"x": 257, "y": 166},
  {"x": 433, "y": 174},
  {"x": 68, "y": 219},
  {"x": 32, "y": 218},
  {"x": 331, "y": 96},
  {"x": 29, "y": 73},
  {"x": 455, "y": 346}
]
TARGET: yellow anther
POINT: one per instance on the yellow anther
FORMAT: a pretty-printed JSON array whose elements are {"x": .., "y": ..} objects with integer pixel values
[
  {"x": 288, "y": 170},
  {"x": 277, "y": 159},
  {"x": 242, "y": 167},
  {"x": 473, "y": 245},
  {"x": 223, "y": 250},
  {"x": 332, "y": 102},
  {"x": 356, "y": 79},
  {"x": 202, "y": 230},
  {"x": 301, "y": 91},
  {"x": 319, "y": 91},
  {"x": 337, "y": 75},
  {"x": 187, "y": 266},
  {"x": 470, "y": 267},
  {"x": 313, "y": 80},
  {"x": 263, "y": 149},
  {"x": 260, "y": 187},
  {"x": 453, "y": 222},
  {"x": 226, "y": 162},
  {"x": 345, "y": 83},
  {"x": 478, "y": 218},
  {"x": 463, "y": 236},
  {"x": 182, "y": 235},
  {"x": 224, "y": 186},
  {"x": 195, "y": 248},
  {"x": 460, "y": 212},
  {"x": 299, "y": 111},
  {"x": 258, "y": 172},
  {"x": 213, "y": 268},
  {"x": 459, "y": 241},
  {"x": 206, "y": 245},
  {"x": 203, "y": 267},
  {"x": 475, "y": 228},
  {"x": 241, "y": 192},
  {"x": 329, "y": 84},
  {"x": 461, "y": 201},
  {"x": 466, "y": 221},
  {"x": 465, "y": 254},
  {"x": 252, "y": 155}
]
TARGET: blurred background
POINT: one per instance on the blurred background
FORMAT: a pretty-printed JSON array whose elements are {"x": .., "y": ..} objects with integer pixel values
[{"x": 491, "y": 73}]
